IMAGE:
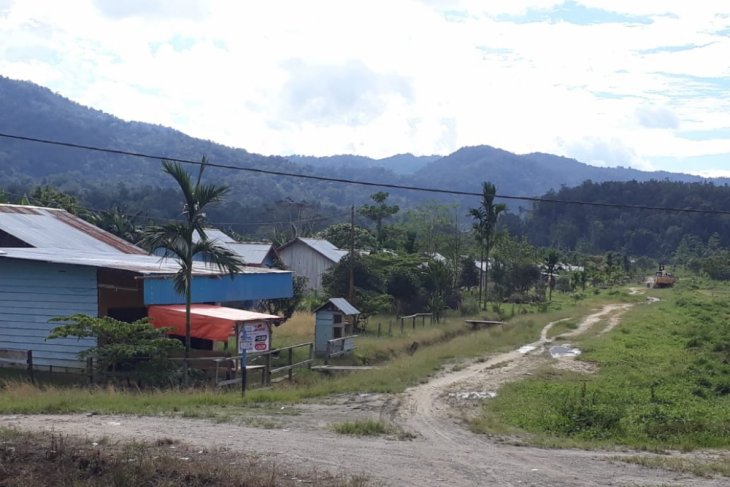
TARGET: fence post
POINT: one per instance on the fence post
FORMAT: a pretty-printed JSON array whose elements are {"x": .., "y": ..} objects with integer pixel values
[
  {"x": 268, "y": 368},
  {"x": 401, "y": 326},
  {"x": 311, "y": 355},
  {"x": 423, "y": 321},
  {"x": 291, "y": 361},
  {"x": 379, "y": 325},
  {"x": 390, "y": 328},
  {"x": 244, "y": 372},
  {"x": 90, "y": 369},
  {"x": 30, "y": 366},
  {"x": 414, "y": 321}
]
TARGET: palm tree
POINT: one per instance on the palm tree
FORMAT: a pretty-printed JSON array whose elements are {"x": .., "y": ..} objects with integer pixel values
[
  {"x": 179, "y": 241},
  {"x": 485, "y": 224},
  {"x": 551, "y": 262}
]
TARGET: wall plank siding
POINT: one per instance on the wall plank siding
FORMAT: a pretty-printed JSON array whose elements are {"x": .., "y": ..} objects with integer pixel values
[
  {"x": 304, "y": 261},
  {"x": 31, "y": 294}
]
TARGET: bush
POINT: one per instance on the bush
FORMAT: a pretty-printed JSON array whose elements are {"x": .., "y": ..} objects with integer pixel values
[
  {"x": 469, "y": 306},
  {"x": 137, "y": 350}
]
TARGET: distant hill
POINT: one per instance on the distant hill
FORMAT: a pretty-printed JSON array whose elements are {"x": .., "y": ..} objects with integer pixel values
[
  {"x": 399, "y": 164},
  {"x": 34, "y": 111},
  {"x": 526, "y": 175}
]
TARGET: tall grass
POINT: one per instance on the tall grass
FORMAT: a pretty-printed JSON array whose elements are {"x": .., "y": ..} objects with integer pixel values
[{"x": 663, "y": 380}]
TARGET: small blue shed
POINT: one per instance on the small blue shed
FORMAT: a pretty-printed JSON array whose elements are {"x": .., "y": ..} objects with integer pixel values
[{"x": 334, "y": 319}]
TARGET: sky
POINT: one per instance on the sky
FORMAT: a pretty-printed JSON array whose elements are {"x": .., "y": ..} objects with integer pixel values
[{"x": 643, "y": 84}]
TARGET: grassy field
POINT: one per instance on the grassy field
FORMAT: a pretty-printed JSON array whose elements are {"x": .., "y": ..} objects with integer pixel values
[
  {"x": 663, "y": 381},
  {"x": 440, "y": 343}
]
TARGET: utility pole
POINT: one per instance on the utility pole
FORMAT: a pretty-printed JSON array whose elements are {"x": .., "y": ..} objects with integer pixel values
[{"x": 351, "y": 288}]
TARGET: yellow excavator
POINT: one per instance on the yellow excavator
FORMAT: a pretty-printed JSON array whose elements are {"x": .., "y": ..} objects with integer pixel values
[{"x": 663, "y": 278}]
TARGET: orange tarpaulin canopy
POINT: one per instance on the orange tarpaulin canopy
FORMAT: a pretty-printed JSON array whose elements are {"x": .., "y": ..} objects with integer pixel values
[{"x": 206, "y": 320}]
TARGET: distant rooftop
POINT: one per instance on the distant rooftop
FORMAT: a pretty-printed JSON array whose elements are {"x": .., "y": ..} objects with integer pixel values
[
  {"x": 253, "y": 253},
  {"x": 324, "y": 247},
  {"x": 147, "y": 265}
]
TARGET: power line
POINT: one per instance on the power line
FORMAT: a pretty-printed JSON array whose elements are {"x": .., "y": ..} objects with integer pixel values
[
  {"x": 362, "y": 183},
  {"x": 313, "y": 219}
]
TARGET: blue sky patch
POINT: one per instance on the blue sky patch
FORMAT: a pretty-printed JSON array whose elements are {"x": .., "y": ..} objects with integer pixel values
[{"x": 574, "y": 13}]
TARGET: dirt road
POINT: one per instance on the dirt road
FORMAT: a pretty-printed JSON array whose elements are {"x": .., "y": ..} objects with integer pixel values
[{"x": 442, "y": 452}]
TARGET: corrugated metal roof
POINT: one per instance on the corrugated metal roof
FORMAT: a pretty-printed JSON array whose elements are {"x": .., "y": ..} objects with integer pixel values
[
  {"x": 324, "y": 247},
  {"x": 57, "y": 229},
  {"x": 215, "y": 235},
  {"x": 342, "y": 304},
  {"x": 148, "y": 265},
  {"x": 251, "y": 253}
]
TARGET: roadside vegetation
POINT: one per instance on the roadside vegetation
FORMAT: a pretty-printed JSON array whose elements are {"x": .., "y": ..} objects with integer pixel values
[
  {"x": 447, "y": 342},
  {"x": 663, "y": 381},
  {"x": 51, "y": 459}
]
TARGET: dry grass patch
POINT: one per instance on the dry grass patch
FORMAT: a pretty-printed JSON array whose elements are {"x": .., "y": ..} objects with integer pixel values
[
  {"x": 51, "y": 459},
  {"x": 702, "y": 467}
]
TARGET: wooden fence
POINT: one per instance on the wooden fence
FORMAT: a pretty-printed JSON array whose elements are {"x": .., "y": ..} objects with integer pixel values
[
  {"x": 268, "y": 368},
  {"x": 339, "y": 346},
  {"x": 23, "y": 358}
]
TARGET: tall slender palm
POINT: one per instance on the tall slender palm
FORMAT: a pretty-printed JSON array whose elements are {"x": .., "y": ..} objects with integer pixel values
[
  {"x": 551, "y": 261},
  {"x": 485, "y": 225},
  {"x": 178, "y": 239}
]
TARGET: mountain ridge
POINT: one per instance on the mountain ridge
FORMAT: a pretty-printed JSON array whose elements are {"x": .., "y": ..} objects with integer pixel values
[{"x": 35, "y": 111}]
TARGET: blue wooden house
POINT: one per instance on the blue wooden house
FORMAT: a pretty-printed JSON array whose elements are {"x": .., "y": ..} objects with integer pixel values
[{"x": 55, "y": 264}]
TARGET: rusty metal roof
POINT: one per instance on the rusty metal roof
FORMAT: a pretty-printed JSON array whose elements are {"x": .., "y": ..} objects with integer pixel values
[
  {"x": 51, "y": 228},
  {"x": 146, "y": 265}
]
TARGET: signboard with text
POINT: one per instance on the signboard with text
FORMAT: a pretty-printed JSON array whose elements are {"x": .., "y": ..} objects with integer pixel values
[{"x": 254, "y": 337}]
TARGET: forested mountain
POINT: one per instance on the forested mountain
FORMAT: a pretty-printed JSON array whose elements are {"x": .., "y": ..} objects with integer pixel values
[
  {"x": 526, "y": 175},
  {"x": 654, "y": 233},
  {"x": 399, "y": 163},
  {"x": 102, "y": 180}
]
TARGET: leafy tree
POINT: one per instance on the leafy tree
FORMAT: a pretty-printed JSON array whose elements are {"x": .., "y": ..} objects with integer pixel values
[
  {"x": 137, "y": 350},
  {"x": 717, "y": 266},
  {"x": 177, "y": 239},
  {"x": 118, "y": 222},
  {"x": 378, "y": 212},
  {"x": 516, "y": 267},
  {"x": 51, "y": 197},
  {"x": 437, "y": 282},
  {"x": 340, "y": 235},
  {"x": 370, "y": 282},
  {"x": 405, "y": 286},
  {"x": 285, "y": 307},
  {"x": 485, "y": 223},
  {"x": 469, "y": 276}
]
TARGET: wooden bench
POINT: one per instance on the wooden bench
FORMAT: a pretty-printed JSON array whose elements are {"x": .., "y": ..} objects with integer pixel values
[
  {"x": 18, "y": 358},
  {"x": 479, "y": 324}
]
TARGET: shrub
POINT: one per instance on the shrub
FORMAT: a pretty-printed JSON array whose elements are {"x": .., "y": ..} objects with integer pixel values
[{"x": 135, "y": 350}]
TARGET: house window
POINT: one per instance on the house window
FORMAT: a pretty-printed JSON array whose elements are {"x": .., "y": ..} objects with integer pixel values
[
  {"x": 337, "y": 319},
  {"x": 337, "y": 332}
]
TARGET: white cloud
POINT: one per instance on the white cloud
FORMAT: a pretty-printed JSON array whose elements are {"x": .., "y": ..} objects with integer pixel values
[
  {"x": 379, "y": 78},
  {"x": 656, "y": 117}
]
